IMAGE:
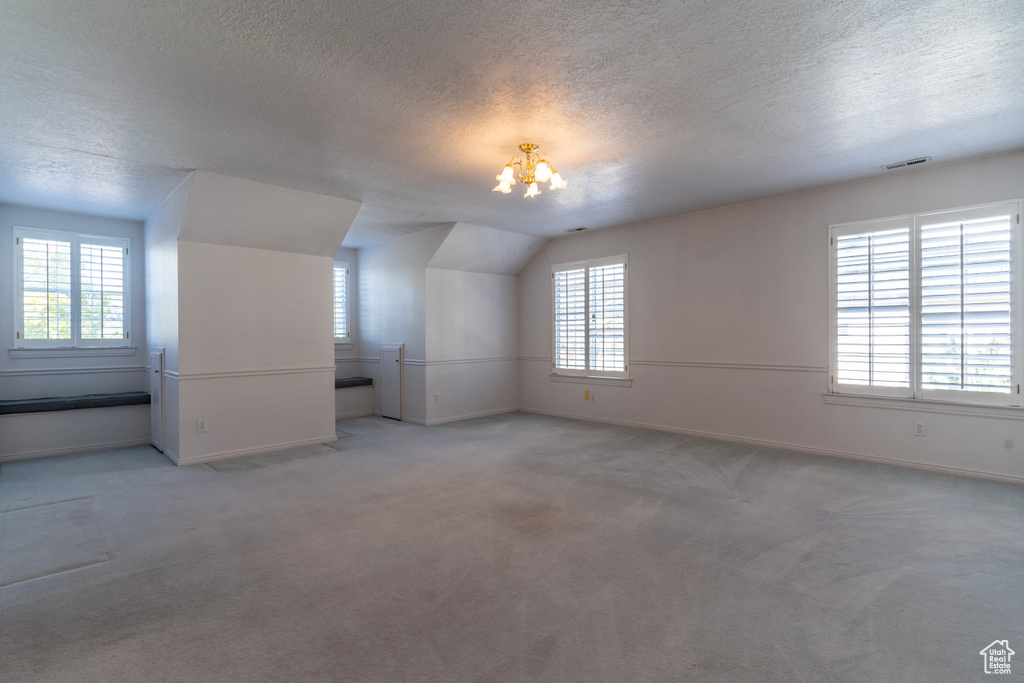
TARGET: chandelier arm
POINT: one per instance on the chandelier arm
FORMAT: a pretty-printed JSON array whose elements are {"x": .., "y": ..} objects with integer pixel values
[{"x": 516, "y": 160}]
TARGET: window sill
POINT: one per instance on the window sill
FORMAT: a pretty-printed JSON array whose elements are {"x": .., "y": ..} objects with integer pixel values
[
  {"x": 72, "y": 352},
  {"x": 925, "y": 405},
  {"x": 583, "y": 379}
]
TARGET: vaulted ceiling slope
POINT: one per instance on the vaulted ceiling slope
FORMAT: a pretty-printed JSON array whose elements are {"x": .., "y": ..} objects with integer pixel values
[{"x": 647, "y": 107}]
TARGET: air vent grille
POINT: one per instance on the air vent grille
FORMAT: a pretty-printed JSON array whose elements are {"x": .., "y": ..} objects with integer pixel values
[
  {"x": 580, "y": 229},
  {"x": 904, "y": 164}
]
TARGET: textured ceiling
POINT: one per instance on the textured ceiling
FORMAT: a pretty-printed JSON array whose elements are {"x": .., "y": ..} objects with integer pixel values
[{"x": 648, "y": 108}]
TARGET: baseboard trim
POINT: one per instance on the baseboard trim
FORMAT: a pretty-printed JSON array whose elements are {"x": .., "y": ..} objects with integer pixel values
[
  {"x": 470, "y": 416},
  {"x": 224, "y": 455},
  {"x": 849, "y": 455},
  {"x": 345, "y": 416},
  {"x": 13, "y": 457}
]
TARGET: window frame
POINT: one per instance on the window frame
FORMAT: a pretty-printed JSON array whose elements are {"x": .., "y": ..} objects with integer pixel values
[
  {"x": 343, "y": 265},
  {"x": 76, "y": 240},
  {"x": 587, "y": 265},
  {"x": 914, "y": 223}
]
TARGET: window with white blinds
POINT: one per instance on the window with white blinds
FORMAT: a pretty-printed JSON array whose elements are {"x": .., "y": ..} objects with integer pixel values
[
  {"x": 589, "y": 307},
  {"x": 341, "y": 330},
  {"x": 929, "y": 306},
  {"x": 101, "y": 268},
  {"x": 46, "y": 289},
  {"x": 873, "y": 308},
  {"x": 71, "y": 290}
]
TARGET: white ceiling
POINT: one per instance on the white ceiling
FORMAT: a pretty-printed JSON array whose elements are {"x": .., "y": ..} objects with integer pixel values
[{"x": 647, "y": 107}]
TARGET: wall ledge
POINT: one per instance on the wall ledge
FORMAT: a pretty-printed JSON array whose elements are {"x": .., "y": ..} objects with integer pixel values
[
  {"x": 73, "y": 352},
  {"x": 72, "y": 371},
  {"x": 182, "y": 376},
  {"x": 624, "y": 382}
]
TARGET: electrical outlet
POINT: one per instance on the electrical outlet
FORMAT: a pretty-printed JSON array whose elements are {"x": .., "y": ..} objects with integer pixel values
[
  {"x": 919, "y": 429},
  {"x": 437, "y": 398},
  {"x": 593, "y": 395},
  {"x": 201, "y": 426},
  {"x": 586, "y": 395}
]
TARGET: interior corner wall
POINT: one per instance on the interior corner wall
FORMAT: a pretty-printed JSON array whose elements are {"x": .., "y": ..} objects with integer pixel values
[
  {"x": 392, "y": 310},
  {"x": 729, "y": 325},
  {"x": 471, "y": 344}
]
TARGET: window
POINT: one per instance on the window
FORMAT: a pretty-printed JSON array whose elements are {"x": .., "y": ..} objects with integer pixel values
[
  {"x": 929, "y": 306},
  {"x": 341, "y": 329},
  {"x": 71, "y": 290},
  {"x": 589, "y": 303}
]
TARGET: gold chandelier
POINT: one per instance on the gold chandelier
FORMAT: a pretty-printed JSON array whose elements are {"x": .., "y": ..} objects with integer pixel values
[{"x": 535, "y": 170}]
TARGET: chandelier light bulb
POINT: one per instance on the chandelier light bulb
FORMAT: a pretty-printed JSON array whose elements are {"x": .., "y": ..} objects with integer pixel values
[
  {"x": 543, "y": 172},
  {"x": 507, "y": 175},
  {"x": 557, "y": 182},
  {"x": 503, "y": 187},
  {"x": 532, "y": 190}
]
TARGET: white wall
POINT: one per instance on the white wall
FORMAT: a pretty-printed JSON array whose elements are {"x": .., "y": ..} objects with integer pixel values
[
  {"x": 392, "y": 310},
  {"x": 71, "y": 372},
  {"x": 729, "y": 325},
  {"x": 471, "y": 344}
]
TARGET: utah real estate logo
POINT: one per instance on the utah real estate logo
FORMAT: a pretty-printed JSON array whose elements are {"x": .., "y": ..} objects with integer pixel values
[{"x": 997, "y": 657}]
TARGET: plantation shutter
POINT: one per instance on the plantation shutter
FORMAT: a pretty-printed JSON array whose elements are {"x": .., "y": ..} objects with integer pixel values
[
  {"x": 570, "y": 319},
  {"x": 607, "y": 317},
  {"x": 872, "y": 271},
  {"x": 102, "y": 287},
  {"x": 966, "y": 341},
  {"x": 340, "y": 302},
  {"x": 46, "y": 288}
]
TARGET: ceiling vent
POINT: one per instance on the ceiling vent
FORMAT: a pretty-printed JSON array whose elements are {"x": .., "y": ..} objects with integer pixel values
[
  {"x": 904, "y": 164},
  {"x": 579, "y": 229}
]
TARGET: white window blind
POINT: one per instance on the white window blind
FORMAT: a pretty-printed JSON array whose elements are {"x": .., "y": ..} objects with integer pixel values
[
  {"x": 71, "y": 290},
  {"x": 46, "y": 289},
  {"x": 589, "y": 321},
  {"x": 341, "y": 301},
  {"x": 102, "y": 291},
  {"x": 571, "y": 319},
  {"x": 966, "y": 305},
  {"x": 607, "y": 313},
  {"x": 873, "y": 308},
  {"x": 929, "y": 306}
]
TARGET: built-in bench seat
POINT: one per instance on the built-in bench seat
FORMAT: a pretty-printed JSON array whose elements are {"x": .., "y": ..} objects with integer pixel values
[
  {"x": 353, "y": 397},
  {"x": 346, "y": 382},
  {"x": 45, "y": 405}
]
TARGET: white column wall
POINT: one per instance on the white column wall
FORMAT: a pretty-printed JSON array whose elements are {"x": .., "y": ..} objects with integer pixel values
[{"x": 257, "y": 355}]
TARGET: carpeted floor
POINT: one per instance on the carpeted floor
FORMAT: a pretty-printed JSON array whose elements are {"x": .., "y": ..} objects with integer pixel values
[{"x": 515, "y": 548}]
